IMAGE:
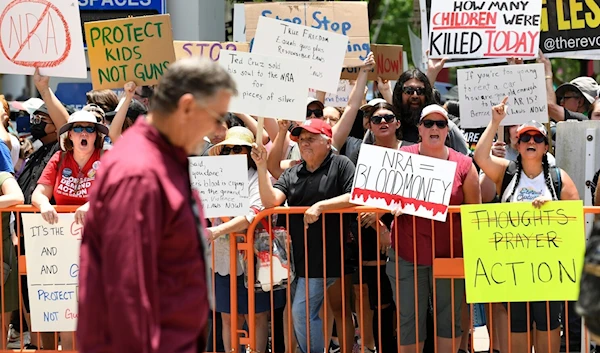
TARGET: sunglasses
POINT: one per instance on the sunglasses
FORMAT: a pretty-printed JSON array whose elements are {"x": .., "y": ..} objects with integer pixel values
[
  {"x": 236, "y": 149},
  {"x": 80, "y": 129},
  {"x": 411, "y": 90},
  {"x": 377, "y": 119},
  {"x": 439, "y": 123},
  {"x": 538, "y": 138},
  {"x": 36, "y": 118},
  {"x": 318, "y": 112}
]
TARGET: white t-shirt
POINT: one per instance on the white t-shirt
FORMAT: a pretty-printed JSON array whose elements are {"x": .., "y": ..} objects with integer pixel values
[
  {"x": 15, "y": 149},
  {"x": 528, "y": 189}
]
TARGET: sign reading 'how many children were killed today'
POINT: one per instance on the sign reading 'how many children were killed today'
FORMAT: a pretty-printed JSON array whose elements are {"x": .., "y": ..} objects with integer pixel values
[
  {"x": 52, "y": 271},
  {"x": 137, "y": 49},
  {"x": 268, "y": 86},
  {"x": 482, "y": 88},
  {"x": 484, "y": 28},
  {"x": 387, "y": 178},
  {"x": 516, "y": 253},
  {"x": 323, "y": 50},
  {"x": 209, "y": 50},
  {"x": 44, "y": 34},
  {"x": 222, "y": 182}
]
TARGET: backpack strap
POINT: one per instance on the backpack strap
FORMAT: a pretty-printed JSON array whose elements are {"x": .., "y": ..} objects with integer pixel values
[
  {"x": 509, "y": 174},
  {"x": 556, "y": 180}
]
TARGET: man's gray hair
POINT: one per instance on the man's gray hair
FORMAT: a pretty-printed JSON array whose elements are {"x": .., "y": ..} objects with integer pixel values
[{"x": 201, "y": 77}]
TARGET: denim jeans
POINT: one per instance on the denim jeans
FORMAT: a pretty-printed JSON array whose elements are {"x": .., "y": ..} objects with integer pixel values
[{"x": 315, "y": 301}]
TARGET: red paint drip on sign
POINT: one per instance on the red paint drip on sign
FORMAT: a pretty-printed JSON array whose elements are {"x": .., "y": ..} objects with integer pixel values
[{"x": 435, "y": 208}]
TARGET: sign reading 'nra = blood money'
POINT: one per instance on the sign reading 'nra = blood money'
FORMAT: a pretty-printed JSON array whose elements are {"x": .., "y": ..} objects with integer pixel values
[
  {"x": 484, "y": 28},
  {"x": 44, "y": 34},
  {"x": 387, "y": 178}
]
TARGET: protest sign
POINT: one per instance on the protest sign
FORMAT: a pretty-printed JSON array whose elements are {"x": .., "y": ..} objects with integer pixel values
[
  {"x": 137, "y": 49},
  {"x": 323, "y": 50},
  {"x": 514, "y": 252},
  {"x": 239, "y": 23},
  {"x": 348, "y": 18},
  {"x": 42, "y": 34},
  {"x": 389, "y": 59},
  {"x": 268, "y": 86},
  {"x": 222, "y": 182},
  {"x": 338, "y": 99},
  {"x": 484, "y": 28},
  {"x": 387, "y": 178},
  {"x": 210, "y": 50},
  {"x": 52, "y": 259},
  {"x": 482, "y": 88}
]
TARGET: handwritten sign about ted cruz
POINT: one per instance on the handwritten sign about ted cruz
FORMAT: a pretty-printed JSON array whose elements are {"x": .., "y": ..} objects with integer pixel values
[
  {"x": 323, "y": 50},
  {"x": 348, "y": 18},
  {"x": 210, "y": 50},
  {"x": 137, "y": 49},
  {"x": 484, "y": 28},
  {"x": 52, "y": 258},
  {"x": 387, "y": 178},
  {"x": 41, "y": 34},
  {"x": 268, "y": 86},
  {"x": 389, "y": 60},
  {"x": 482, "y": 88},
  {"x": 516, "y": 253},
  {"x": 338, "y": 99},
  {"x": 222, "y": 182}
]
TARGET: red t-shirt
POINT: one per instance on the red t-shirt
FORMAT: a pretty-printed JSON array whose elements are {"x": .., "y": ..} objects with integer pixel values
[{"x": 71, "y": 186}]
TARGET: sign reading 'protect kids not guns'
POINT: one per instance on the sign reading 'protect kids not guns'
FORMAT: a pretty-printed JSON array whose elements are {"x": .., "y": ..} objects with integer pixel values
[
  {"x": 137, "y": 49},
  {"x": 516, "y": 253}
]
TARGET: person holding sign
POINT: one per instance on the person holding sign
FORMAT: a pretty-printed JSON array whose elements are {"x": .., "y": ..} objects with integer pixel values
[
  {"x": 433, "y": 130},
  {"x": 528, "y": 179}
]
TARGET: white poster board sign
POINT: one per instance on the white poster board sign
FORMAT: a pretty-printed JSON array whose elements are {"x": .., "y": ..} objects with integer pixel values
[
  {"x": 323, "y": 50},
  {"x": 52, "y": 256},
  {"x": 387, "y": 178},
  {"x": 222, "y": 182},
  {"x": 268, "y": 86},
  {"x": 239, "y": 23},
  {"x": 339, "y": 99},
  {"x": 464, "y": 29},
  {"x": 482, "y": 88},
  {"x": 44, "y": 34}
]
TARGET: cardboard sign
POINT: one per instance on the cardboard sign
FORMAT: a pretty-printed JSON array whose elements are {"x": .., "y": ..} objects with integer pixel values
[
  {"x": 268, "y": 86},
  {"x": 338, "y": 99},
  {"x": 222, "y": 182},
  {"x": 210, "y": 50},
  {"x": 387, "y": 178},
  {"x": 52, "y": 258},
  {"x": 484, "y": 28},
  {"x": 348, "y": 18},
  {"x": 323, "y": 50},
  {"x": 389, "y": 59},
  {"x": 516, "y": 253},
  {"x": 482, "y": 88},
  {"x": 137, "y": 49},
  {"x": 41, "y": 34},
  {"x": 239, "y": 23}
]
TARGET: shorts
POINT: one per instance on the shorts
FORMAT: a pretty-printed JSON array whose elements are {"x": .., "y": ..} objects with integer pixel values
[
  {"x": 520, "y": 323},
  {"x": 262, "y": 300},
  {"x": 405, "y": 300}
]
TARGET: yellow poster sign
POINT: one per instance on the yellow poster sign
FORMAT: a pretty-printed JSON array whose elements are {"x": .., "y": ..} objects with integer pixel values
[{"x": 516, "y": 253}]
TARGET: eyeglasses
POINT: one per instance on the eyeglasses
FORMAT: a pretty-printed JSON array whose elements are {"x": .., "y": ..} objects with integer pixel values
[
  {"x": 377, "y": 119},
  {"x": 411, "y": 90},
  {"x": 318, "y": 112},
  {"x": 439, "y": 123},
  {"x": 80, "y": 129},
  {"x": 569, "y": 97},
  {"x": 237, "y": 149},
  {"x": 538, "y": 138},
  {"x": 36, "y": 118}
]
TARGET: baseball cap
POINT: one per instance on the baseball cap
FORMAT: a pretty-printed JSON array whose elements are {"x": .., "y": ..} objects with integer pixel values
[
  {"x": 372, "y": 103},
  {"x": 314, "y": 100},
  {"x": 532, "y": 125},
  {"x": 433, "y": 109},
  {"x": 314, "y": 126},
  {"x": 586, "y": 86},
  {"x": 33, "y": 104}
]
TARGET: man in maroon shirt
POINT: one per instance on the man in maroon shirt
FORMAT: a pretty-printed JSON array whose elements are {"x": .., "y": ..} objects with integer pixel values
[{"x": 143, "y": 278}]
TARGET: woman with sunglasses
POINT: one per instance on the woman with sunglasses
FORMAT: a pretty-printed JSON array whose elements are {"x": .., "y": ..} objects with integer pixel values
[
  {"x": 433, "y": 130},
  {"x": 532, "y": 182}
]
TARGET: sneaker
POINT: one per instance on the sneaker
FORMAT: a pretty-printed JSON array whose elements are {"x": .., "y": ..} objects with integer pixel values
[
  {"x": 14, "y": 338},
  {"x": 334, "y": 348}
]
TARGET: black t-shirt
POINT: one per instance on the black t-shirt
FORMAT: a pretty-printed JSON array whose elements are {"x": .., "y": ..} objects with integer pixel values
[
  {"x": 302, "y": 188},
  {"x": 34, "y": 168}
]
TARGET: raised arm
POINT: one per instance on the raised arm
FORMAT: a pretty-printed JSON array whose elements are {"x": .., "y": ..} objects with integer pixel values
[
  {"x": 269, "y": 196},
  {"x": 555, "y": 111},
  {"x": 277, "y": 150},
  {"x": 434, "y": 67},
  {"x": 385, "y": 89},
  {"x": 492, "y": 166},
  {"x": 56, "y": 110},
  {"x": 116, "y": 127}
]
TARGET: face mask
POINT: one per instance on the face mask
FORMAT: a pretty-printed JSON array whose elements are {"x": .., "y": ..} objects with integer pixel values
[{"x": 38, "y": 131}]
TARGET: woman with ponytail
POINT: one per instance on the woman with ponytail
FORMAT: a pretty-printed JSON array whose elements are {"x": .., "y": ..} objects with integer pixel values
[{"x": 531, "y": 179}]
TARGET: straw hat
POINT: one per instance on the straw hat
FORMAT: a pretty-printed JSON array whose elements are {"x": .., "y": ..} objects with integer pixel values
[
  {"x": 236, "y": 136},
  {"x": 81, "y": 116}
]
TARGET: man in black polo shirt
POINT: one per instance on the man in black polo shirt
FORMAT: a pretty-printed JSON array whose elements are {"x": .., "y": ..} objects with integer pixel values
[{"x": 322, "y": 181}]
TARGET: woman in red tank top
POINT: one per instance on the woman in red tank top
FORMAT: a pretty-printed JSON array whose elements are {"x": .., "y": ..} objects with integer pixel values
[{"x": 433, "y": 130}]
